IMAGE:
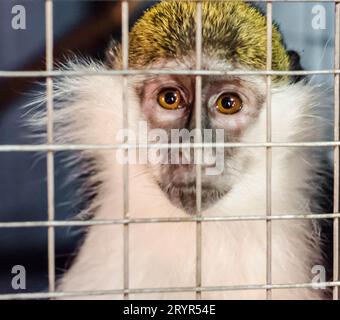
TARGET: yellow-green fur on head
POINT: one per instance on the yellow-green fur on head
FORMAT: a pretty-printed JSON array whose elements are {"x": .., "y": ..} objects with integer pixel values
[{"x": 232, "y": 31}]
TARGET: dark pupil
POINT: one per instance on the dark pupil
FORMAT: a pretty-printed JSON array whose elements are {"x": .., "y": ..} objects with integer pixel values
[
  {"x": 170, "y": 97},
  {"x": 228, "y": 102}
]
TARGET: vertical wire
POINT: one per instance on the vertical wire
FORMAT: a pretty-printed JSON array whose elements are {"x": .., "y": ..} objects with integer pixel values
[
  {"x": 198, "y": 117},
  {"x": 125, "y": 48},
  {"x": 336, "y": 239},
  {"x": 269, "y": 154},
  {"x": 50, "y": 138}
]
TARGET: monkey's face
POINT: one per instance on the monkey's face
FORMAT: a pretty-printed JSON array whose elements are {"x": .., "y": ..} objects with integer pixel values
[
  {"x": 230, "y": 107},
  {"x": 234, "y": 36}
]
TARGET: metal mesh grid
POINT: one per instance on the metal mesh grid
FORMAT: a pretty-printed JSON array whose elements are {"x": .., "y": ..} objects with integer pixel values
[{"x": 50, "y": 148}]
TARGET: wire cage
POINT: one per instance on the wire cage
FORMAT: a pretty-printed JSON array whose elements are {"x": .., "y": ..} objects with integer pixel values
[{"x": 51, "y": 147}]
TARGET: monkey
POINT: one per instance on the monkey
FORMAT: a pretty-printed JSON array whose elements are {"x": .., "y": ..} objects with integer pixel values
[{"x": 89, "y": 109}]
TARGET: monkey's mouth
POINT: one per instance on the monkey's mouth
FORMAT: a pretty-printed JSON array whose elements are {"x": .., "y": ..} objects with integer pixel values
[
  {"x": 184, "y": 195},
  {"x": 178, "y": 182}
]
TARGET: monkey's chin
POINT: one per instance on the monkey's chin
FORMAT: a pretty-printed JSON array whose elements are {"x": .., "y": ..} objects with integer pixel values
[{"x": 184, "y": 196}]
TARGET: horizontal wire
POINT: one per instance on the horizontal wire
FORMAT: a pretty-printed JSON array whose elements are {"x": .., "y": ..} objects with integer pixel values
[
  {"x": 55, "y": 223},
  {"x": 84, "y": 147},
  {"x": 46, "y": 295},
  {"x": 131, "y": 72}
]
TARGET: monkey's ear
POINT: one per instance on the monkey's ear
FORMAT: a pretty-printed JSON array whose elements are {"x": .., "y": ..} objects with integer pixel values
[
  {"x": 112, "y": 54},
  {"x": 295, "y": 65}
]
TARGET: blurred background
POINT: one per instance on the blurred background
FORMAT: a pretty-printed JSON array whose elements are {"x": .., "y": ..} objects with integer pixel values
[{"x": 85, "y": 28}]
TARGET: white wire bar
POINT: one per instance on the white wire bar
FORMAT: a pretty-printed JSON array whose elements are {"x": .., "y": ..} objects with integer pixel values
[
  {"x": 198, "y": 114},
  {"x": 269, "y": 13},
  {"x": 80, "y": 147},
  {"x": 136, "y": 72},
  {"x": 50, "y": 154},
  {"x": 336, "y": 174},
  {"x": 94, "y": 222},
  {"x": 24, "y": 296},
  {"x": 125, "y": 51}
]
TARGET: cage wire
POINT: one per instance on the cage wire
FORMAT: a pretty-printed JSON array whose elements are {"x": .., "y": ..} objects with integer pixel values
[{"x": 50, "y": 148}]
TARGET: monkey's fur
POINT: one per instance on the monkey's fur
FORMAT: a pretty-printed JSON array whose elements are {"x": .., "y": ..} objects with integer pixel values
[
  {"x": 89, "y": 110},
  {"x": 232, "y": 31}
]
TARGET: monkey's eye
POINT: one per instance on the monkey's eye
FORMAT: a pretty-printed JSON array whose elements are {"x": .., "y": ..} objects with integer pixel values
[
  {"x": 170, "y": 99},
  {"x": 229, "y": 103}
]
